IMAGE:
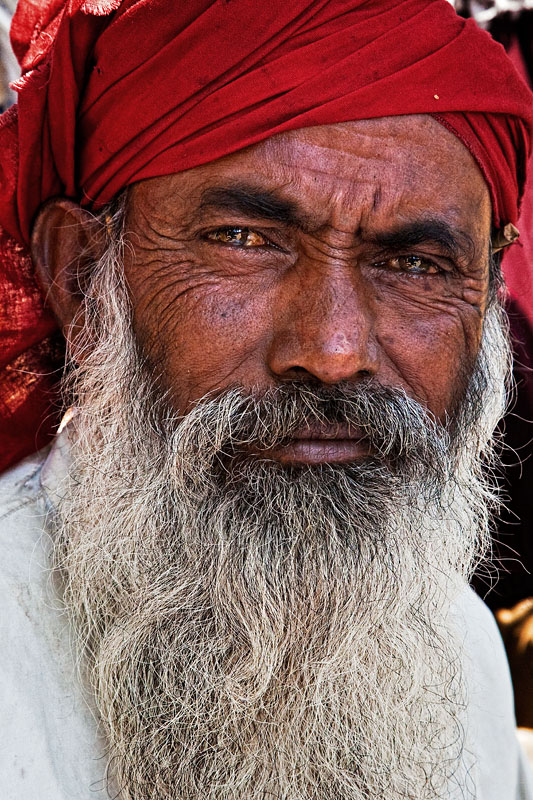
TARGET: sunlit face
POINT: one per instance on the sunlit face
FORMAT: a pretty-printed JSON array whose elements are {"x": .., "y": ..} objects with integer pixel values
[{"x": 330, "y": 254}]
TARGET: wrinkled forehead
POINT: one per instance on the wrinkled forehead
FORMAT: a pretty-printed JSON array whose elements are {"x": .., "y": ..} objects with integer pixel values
[{"x": 352, "y": 175}]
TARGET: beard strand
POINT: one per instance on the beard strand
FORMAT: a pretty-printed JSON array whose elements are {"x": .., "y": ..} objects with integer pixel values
[{"x": 253, "y": 630}]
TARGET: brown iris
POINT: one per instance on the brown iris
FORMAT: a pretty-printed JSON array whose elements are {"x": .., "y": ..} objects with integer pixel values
[{"x": 237, "y": 237}]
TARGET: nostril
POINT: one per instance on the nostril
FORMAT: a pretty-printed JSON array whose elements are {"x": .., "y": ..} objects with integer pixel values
[{"x": 297, "y": 373}]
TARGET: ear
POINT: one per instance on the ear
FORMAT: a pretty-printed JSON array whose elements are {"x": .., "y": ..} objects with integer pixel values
[{"x": 66, "y": 241}]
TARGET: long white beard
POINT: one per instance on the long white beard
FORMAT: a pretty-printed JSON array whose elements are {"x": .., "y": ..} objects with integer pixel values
[{"x": 254, "y": 631}]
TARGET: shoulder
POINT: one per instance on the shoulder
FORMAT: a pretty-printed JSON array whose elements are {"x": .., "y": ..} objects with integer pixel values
[
  {"x": 50, "y": 747},
  {"x": 491, "y": 725},
  {"x": 483, "y": 646},
  {"x": 485, "y": 662}
]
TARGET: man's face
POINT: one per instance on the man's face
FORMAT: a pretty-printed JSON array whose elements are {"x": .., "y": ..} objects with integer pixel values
[
  {"x": 326, "y": 255},
  {"x": 262, "y": 627}
]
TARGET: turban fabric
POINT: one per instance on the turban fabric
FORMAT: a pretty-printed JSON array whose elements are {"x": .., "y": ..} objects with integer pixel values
[{"x": 114, "y": 91}]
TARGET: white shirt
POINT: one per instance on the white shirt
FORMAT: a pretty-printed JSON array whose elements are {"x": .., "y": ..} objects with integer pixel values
[{"x": 50, "y": 747}]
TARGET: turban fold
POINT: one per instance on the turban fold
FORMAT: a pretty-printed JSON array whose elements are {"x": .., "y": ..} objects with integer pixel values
[{"x": 114, "y": 91}]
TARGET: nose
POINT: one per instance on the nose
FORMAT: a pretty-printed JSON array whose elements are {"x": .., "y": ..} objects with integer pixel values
[{"x": 324, "y": 327}]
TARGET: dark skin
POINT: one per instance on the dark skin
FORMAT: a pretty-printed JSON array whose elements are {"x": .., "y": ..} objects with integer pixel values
[{"x": 330, "y": 254}]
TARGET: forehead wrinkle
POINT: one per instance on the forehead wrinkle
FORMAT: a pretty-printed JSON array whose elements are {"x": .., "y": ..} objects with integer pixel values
[
  {"x": 352, "y": 152},
  {"x": 342, "y": 187}
]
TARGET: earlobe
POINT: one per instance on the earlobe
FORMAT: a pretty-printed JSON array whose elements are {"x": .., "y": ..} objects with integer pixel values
[{"x": 65, "y": 240}]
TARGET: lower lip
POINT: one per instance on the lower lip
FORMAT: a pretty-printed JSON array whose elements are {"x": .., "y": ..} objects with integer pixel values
[{"x": 319, "y": 451}]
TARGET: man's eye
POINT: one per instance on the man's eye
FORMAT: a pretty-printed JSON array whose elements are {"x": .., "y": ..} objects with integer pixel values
[
  {"x": 237, "y": 237},
  {"x": 413, "y": 265}
]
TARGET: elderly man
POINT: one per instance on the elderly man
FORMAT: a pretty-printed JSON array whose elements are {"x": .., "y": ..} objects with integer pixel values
[{"x": 271, "y": 237}]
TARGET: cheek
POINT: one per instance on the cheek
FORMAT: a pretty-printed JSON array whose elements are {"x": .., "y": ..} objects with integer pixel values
[
  {"x": 203, "y": 334},
  {"x": 432, "y": 351}
]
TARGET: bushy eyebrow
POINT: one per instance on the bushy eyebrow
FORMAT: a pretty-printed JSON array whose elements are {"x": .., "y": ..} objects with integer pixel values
[
  {"x": 265, "y": 204},
  {"x": 452, "y": 242},
  {"x": 251, "y": 201}
]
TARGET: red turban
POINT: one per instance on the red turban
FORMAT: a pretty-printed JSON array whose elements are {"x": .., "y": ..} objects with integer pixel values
[{"x": 113, "y": 91}]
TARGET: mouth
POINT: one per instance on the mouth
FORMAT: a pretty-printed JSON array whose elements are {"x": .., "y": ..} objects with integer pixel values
[{"x": 327, "y": 444}]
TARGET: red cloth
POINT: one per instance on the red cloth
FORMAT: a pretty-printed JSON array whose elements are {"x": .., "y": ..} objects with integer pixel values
[
  {"x": 518, "y": 262},
  {"x": 115, "y": 91}
]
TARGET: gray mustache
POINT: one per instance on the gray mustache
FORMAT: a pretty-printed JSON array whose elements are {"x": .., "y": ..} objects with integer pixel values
[{"x": 398, "y": 428}]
